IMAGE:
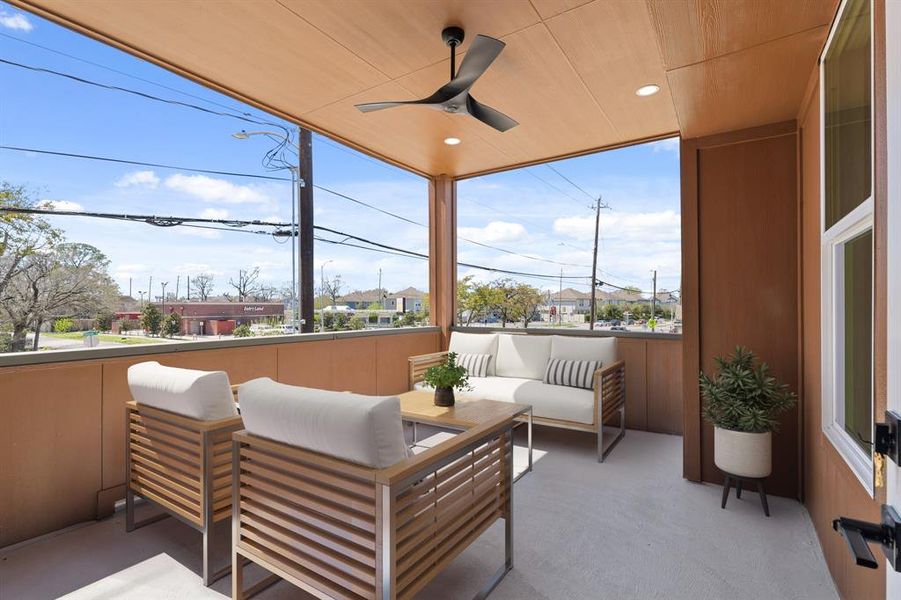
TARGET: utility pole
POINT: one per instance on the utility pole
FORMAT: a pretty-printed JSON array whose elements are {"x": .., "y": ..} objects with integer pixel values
[
  {"x": 380, "y": 288},
  {"x": 129, "y": 288},
  {"x": 189, "y": 287},
  {"x": 177, "y": 285},
  {"x": 654, "y": 301},
  {"x": 594, "y": 259},
  {"x": 305, "y": 227},
  {"x": 150, "y": 290}
]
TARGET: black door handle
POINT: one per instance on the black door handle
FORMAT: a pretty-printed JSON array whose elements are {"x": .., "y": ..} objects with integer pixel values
[{"x": 858, "y": 535}]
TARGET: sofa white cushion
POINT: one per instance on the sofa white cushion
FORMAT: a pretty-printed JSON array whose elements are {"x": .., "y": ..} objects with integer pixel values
[
  {"x": 565, "y": 347},
  {"x": 548, "y": 401},
  {"x": 363, "y": 429},
  {"x": 522, "y": 355},
  {"x": 475, "y": 343},
  {"x": 203, "y": 395}
]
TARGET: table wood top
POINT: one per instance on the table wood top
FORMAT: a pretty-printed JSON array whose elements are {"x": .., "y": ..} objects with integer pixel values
[{"x": 419, "y": 406}]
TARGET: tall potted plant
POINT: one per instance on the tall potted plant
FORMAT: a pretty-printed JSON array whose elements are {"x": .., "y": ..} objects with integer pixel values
[
  {"x": 445, "y": 377},
  {"x": 742, "y": 401}
]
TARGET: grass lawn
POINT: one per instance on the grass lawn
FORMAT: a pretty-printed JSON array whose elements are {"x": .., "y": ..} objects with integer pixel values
[{"x": 105, "y": 337}]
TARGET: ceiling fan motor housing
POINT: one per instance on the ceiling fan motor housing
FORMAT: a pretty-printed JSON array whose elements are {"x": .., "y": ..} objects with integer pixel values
[{"x": 452, "y": 36}]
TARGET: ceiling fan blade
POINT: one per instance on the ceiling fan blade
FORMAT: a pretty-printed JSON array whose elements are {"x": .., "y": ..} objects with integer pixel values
[
  {"x": 478, "y": 58},
  {"x": 373, "y": 106},
  {"x": 488, "y": 115}
]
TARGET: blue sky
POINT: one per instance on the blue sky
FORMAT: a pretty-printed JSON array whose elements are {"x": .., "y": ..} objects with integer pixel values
[{"x": 533, "y": 212}]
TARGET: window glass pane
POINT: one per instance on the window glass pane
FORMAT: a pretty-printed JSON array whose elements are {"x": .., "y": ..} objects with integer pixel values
[
  {"x": 858, "y": 338},
  {"x": 847, "y": 102}
]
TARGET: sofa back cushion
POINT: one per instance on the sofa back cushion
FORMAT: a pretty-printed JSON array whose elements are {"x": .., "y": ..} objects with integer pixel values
[
  {"x": 362, "y": 429},
  {"x": 565, "y": 347},
  {"x": 203, "y": 395},
  {"x": 476, "y": 343},
  {"x": 523, "y": 356}
]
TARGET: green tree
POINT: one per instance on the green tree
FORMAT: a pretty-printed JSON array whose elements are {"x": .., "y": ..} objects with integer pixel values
[
  {"x": 524, "y": 302},
  {"x": 375, "y": 306},
  {"x": 151, "y": 319},
  {"x": 171, "y": 326},
  {"x": 611, "y": 312}
]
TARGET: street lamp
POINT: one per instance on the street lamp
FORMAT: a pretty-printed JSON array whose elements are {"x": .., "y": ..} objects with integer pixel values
[
  {"x": 295, "y": 239},
  {"x": 321, "y": 292},
  {"x": 142, "y": 298}
]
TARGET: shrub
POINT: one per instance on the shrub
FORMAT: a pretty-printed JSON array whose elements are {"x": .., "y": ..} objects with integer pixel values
[
  {"x": 356, "y": 323},
  {"x": 242, "y": 331},
  {"x": 63, "y": 325},
  {"x": 6, "y": 342},
  {"x": 104, "y": 321},
  {"x": 373, "y": 318}
]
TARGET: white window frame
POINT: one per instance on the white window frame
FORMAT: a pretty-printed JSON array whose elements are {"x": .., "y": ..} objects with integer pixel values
[{"x": 856, "y": 222}]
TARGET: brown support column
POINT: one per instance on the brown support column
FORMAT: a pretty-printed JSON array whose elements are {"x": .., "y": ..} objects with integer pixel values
[
  {"x": 305, "y": 230},
  {"x": 443, "y": 253}
]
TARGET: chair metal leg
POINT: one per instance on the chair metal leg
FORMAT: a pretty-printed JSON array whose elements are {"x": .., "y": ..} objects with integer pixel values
[
  {"x": 508, "y": 533},
  {"x": 130, "y": 523}
]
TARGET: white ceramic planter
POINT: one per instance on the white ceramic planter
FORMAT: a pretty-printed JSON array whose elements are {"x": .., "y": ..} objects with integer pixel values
[{"x": 743, "y": 454}]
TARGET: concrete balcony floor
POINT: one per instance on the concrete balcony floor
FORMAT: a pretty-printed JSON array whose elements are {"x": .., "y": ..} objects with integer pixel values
[{"x": 628, "y": 528}]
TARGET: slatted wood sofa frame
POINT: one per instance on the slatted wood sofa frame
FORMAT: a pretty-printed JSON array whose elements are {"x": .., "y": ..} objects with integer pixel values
[
  {"x": 340, "y": 530},
  {"x": 183, "y": 466},
  {"x": 609, "y": 399}
]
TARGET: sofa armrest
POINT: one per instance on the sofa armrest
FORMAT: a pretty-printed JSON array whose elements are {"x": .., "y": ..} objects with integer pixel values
[
  {"x": 609, "y": 390},
  {"x": 419, "y": 364}
]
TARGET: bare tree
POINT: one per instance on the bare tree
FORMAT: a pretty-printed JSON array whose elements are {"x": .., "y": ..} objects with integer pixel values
[
  {"x": 70, "y": 279},
  {"x": 332, "y": 288},
  {"x": 266, "y": 293},
  {"x": 246, "y": 285},
  {"x": 203, "y": 285},
  {"x": 21, "y": 235}
]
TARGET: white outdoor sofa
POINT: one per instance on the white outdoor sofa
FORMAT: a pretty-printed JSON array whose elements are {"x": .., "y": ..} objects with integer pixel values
[{"x": 516, "y": 371}]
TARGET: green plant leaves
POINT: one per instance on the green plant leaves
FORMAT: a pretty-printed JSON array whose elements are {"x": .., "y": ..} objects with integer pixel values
[{"x": 742, "y": 395}]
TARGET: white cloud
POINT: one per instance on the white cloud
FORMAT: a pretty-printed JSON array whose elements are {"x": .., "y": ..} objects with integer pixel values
[
  {"x": 210, "y": 189},
  {"x": 16, "y": 21},
  {"x": 645, "y": 226},
  {"x": 667, "y": 145},
  {"x": 207, "y": 234},
  {"x": 61, "y": 205},
  {"x": 214, "y": 213},
  {"x": 495, "y": 231},
  {"x": 145, "y": 179}
]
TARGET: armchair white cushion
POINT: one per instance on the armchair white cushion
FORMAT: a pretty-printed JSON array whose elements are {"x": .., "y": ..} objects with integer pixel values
[
  {"x": 363, "y": 429},
  {"x": 203, "y": 395},
  {"x": 476, "y": 343},
  {"x": 522, "y": 355}
]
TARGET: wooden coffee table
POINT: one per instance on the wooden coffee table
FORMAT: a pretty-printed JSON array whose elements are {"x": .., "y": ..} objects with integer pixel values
[{"x": 419, "y": 407}]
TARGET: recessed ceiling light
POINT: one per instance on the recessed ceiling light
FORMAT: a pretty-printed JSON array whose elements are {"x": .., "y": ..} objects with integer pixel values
[
  {"x": 647, "y": 90},
  {"x": 451, "y": 141}
]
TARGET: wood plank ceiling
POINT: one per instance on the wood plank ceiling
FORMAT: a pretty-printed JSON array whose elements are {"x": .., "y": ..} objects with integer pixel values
[{"x": 568, "y": 73}]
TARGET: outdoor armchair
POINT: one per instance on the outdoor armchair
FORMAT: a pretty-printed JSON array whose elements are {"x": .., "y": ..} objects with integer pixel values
[
  {"x": 343, "y": 510},
  {"x": 178, "y": 455}
]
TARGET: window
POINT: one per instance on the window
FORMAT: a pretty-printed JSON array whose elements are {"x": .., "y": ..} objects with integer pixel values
[
  {"x": 847, "y": 238},
  {"x": 526, "y": 244}
]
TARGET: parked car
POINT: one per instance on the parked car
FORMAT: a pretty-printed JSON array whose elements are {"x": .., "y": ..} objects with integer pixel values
[
  {"x": 601, "y": 323},
  {"x": 618, "y": 328}
]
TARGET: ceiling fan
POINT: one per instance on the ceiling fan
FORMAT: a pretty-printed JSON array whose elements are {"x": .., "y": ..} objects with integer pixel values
[{"x": 454, "y": 97}]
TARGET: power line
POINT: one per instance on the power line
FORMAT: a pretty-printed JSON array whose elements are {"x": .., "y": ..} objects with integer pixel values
[
  {"x": 233, "y": 225},
  {"x": 140, "y": 94},
  {"x": 552, "y": 186},
  {"x": 570, "y": 181},
  {"x": 273, "y": 178},
  {"x": 131, "y": 75},
  {"x": 142, "y": 163}
]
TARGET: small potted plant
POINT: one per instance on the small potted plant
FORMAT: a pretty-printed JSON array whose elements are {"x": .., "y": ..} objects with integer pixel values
[
  {"x": 742, "y": 401},
  {"x": 445, "y": 377}
]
